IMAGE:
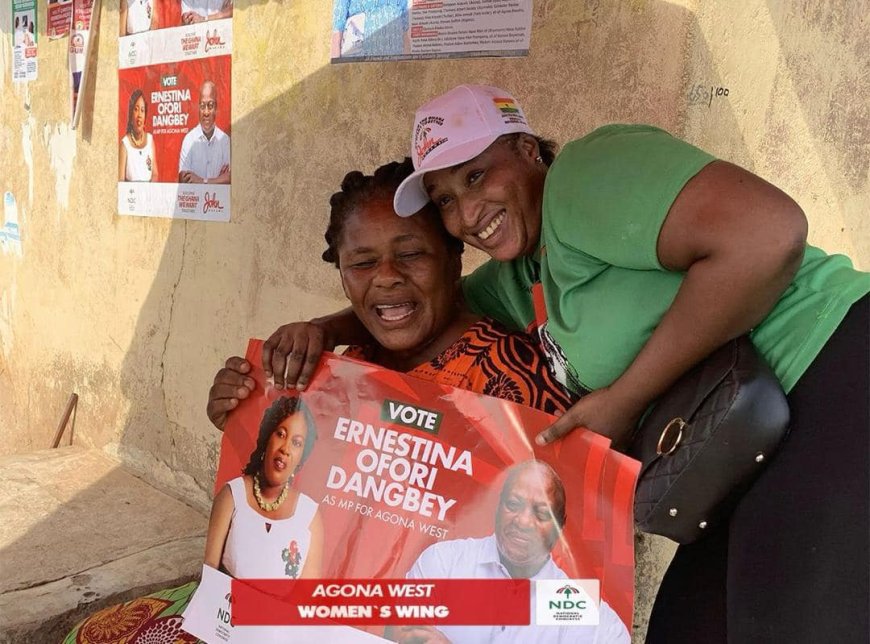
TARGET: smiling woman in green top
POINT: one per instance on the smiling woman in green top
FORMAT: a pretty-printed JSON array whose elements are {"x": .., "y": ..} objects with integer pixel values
[{"x": 641, "y": 254}]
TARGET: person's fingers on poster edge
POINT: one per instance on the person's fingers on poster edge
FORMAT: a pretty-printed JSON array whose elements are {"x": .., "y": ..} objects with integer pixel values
[
  {"x": 603, "y": 411},
  {"x": 230, "y": 386},
  {"x": 218, "y": 408},
  {"x": 239, "y": 365},
  {"x": 229, "y": 392},
  {"x": 275, "y": 350},
  {"x": 557, "y": 430},
  {"x": 292, "y": 352},
  {"x": 309, "y": 364}
]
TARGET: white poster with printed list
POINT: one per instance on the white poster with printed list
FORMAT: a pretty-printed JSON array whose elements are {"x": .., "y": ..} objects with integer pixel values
[
  {"x": 24, "y": 65},
  {"x": 372, "y": 30}
]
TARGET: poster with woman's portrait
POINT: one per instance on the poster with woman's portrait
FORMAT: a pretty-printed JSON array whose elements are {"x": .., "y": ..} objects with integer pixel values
[
  {"x": 373, "y": 475},
  {"x": 174, "y": 109}
]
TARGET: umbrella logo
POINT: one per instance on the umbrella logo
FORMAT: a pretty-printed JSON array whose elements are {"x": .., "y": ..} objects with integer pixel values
[{"x": 568, "y": 590}]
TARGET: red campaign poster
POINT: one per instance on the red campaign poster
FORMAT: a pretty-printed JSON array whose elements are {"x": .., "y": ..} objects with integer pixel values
[
  {"x": 408, "y": 480},
  {"x": 59, "y": 18},
  {"x": 174, "y": 109},
  {"x": 172, "y": 91}
]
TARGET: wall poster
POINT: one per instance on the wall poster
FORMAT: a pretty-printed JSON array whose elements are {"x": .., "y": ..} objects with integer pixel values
[
  {"x": 59, "y": 19},
  {"x": 24, "y": 65},
  {"x": 85, "y": 16},
  {"x": 174, "y": 102},
  {"x": 368, "y": 30}
]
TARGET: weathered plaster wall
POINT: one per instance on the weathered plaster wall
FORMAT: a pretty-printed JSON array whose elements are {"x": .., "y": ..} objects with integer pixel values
[
  {"x": 135, "y": 315},
  {"x": 797, "y": 111}
]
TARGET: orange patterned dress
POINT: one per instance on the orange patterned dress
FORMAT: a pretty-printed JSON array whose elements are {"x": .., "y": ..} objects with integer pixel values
[
  {"x": 153, "y": 619},
  {"x": 492, "y": 360}
]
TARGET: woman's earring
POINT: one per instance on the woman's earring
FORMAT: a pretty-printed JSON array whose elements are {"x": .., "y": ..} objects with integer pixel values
[{"x": 539, "y": 159}]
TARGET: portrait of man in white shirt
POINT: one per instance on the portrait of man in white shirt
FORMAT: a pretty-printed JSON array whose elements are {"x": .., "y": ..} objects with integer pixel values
[
  {"x": 193, "y": 11},
  {"x": 205, "y": 151},
  {"x": 528, "y": 522}
]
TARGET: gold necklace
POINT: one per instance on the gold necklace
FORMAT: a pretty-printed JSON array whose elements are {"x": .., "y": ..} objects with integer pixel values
[
  {"x": 141, "y": 142},
  {"x": 268, "y": 507}
]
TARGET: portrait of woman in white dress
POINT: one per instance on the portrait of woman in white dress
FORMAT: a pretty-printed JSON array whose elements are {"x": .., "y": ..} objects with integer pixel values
[
  {"x": 136, "y": 158},
  {"x": 261, "y": 526}
]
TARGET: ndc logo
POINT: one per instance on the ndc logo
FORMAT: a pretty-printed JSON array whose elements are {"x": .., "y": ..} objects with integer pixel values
[
  {"x": 223, "y": 614},
  {"x": 414, "y": 417},
  {"x": 568, "y": 591},
  {"x": 563, "y": 602},
  {"x": 169, "y": 80}
]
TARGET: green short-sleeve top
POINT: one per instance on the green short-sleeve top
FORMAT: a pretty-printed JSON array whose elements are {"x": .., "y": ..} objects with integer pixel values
[{"x": 605, "y": 199}]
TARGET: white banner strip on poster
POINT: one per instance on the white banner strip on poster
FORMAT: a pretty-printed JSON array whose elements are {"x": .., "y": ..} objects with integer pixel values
[
  {"x": 188, "y": 42},
  {"x": 202, "y": 202}
]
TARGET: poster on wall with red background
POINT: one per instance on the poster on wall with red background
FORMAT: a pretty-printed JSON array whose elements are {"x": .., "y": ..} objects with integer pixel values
[
  {"x": 174, "y": 109},
  {"x": 415, "y": 506},
  {"x": 59, "y": 18}
]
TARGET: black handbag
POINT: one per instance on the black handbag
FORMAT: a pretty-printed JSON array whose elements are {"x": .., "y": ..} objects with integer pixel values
[{"x": 706, "y": 440}]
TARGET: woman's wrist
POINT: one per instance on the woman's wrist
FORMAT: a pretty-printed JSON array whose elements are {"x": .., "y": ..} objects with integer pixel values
[{"x": 632, "y": 396}]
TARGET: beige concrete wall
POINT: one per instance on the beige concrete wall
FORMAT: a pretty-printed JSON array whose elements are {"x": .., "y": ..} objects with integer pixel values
[
  {"x": 797, "y": 111},
  {"x": 137, "y": 314}
]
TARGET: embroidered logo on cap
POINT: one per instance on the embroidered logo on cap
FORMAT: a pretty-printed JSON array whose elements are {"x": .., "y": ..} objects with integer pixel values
[
  {"x": 510, "y": 111},
  {"x": 424, "y": 141}
]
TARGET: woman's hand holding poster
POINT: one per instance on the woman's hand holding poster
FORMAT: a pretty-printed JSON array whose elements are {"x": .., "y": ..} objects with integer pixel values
[{"x": 416, "y": 512}]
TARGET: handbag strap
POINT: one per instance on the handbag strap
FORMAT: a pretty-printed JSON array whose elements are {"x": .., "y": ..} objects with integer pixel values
[{"x": 539, "y": 304}]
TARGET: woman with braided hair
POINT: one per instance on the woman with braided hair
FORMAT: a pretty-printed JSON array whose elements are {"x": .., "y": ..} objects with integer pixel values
[
  {"x": 402, "y": 277},
  {"x": 137, "y": 160}
]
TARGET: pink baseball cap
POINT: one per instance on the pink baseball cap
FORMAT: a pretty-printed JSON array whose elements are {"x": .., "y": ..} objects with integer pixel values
[{"x": 454, "y": 128}]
